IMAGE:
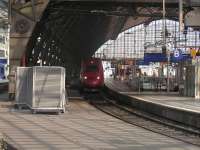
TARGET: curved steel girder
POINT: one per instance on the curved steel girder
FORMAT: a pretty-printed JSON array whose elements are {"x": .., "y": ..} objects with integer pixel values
[
  {"x": 22, "y": 27},
  {"x": 94, "y": 23}
]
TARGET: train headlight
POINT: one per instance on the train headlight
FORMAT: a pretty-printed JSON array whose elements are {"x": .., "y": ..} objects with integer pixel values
[
  {"x": 85, "y": 77},
  {"x": 98, "y": 77}
]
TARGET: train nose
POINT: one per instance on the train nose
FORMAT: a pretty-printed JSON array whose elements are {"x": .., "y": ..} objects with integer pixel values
[{"x": 94, "y": 81}]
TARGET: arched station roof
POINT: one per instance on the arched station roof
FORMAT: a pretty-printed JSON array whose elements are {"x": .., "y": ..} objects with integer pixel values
[
  {"x": 78, "y": 29},
  {"x": 71, "y": 30}
]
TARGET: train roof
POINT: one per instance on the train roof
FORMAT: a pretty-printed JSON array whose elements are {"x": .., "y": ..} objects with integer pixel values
[{"x": 92, "y": 60}]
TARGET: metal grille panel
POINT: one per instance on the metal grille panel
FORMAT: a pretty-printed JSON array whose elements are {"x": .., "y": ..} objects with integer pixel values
[
  {"x": 48, "y": 85},
  {"x": 23, "y": 85},
  {"x": 41, "y": 87}
]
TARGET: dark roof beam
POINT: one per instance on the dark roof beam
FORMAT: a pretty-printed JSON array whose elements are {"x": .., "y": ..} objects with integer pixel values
[{"x": 59, "y": 37}]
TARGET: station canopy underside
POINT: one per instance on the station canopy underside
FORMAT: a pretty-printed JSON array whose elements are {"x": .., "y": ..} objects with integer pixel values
[{"x": 70, "y": 31}]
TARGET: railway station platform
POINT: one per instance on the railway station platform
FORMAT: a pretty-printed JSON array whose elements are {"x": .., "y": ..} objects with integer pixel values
[
  {"x": 172, "y": 99},
  {"x": 83, "y": 127},
  {"x": 169, "y": 105}
]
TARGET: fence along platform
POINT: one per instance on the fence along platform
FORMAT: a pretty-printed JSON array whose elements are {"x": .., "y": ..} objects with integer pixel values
[{"x": 41, "y": 88}]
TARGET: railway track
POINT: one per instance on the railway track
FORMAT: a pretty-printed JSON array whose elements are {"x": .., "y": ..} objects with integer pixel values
[{"x": 144, "y": 120}]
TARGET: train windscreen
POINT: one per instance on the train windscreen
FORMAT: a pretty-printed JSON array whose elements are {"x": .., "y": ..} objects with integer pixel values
[{"x": 91, "y": 68}]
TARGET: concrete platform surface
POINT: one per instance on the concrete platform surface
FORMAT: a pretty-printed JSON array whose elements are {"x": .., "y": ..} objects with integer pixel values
[
  {"x": 172, "y": 99},
  {"x": 82, "y": 128}
]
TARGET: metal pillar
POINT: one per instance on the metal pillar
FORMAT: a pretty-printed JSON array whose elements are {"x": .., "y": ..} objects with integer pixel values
[
  {"x": 164, "y": 44},
  {"x": 181, "y": 24},
  {"x": 197, "y": 80},
  {"x": 124, "y": 56},
  {"x": 163, "y": 23}
]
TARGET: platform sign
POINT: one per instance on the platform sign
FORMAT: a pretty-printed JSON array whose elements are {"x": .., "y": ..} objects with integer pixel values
[
  {"x": 178, "y": 54},
  {"x": 3, "y": 61}
]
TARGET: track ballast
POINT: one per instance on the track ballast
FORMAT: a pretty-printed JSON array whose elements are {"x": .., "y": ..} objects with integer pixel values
[{"x": 144, "y": 120}]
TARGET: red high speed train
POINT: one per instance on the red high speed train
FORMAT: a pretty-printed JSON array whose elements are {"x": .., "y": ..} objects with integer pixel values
[{"x": 92, "y": 74}]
